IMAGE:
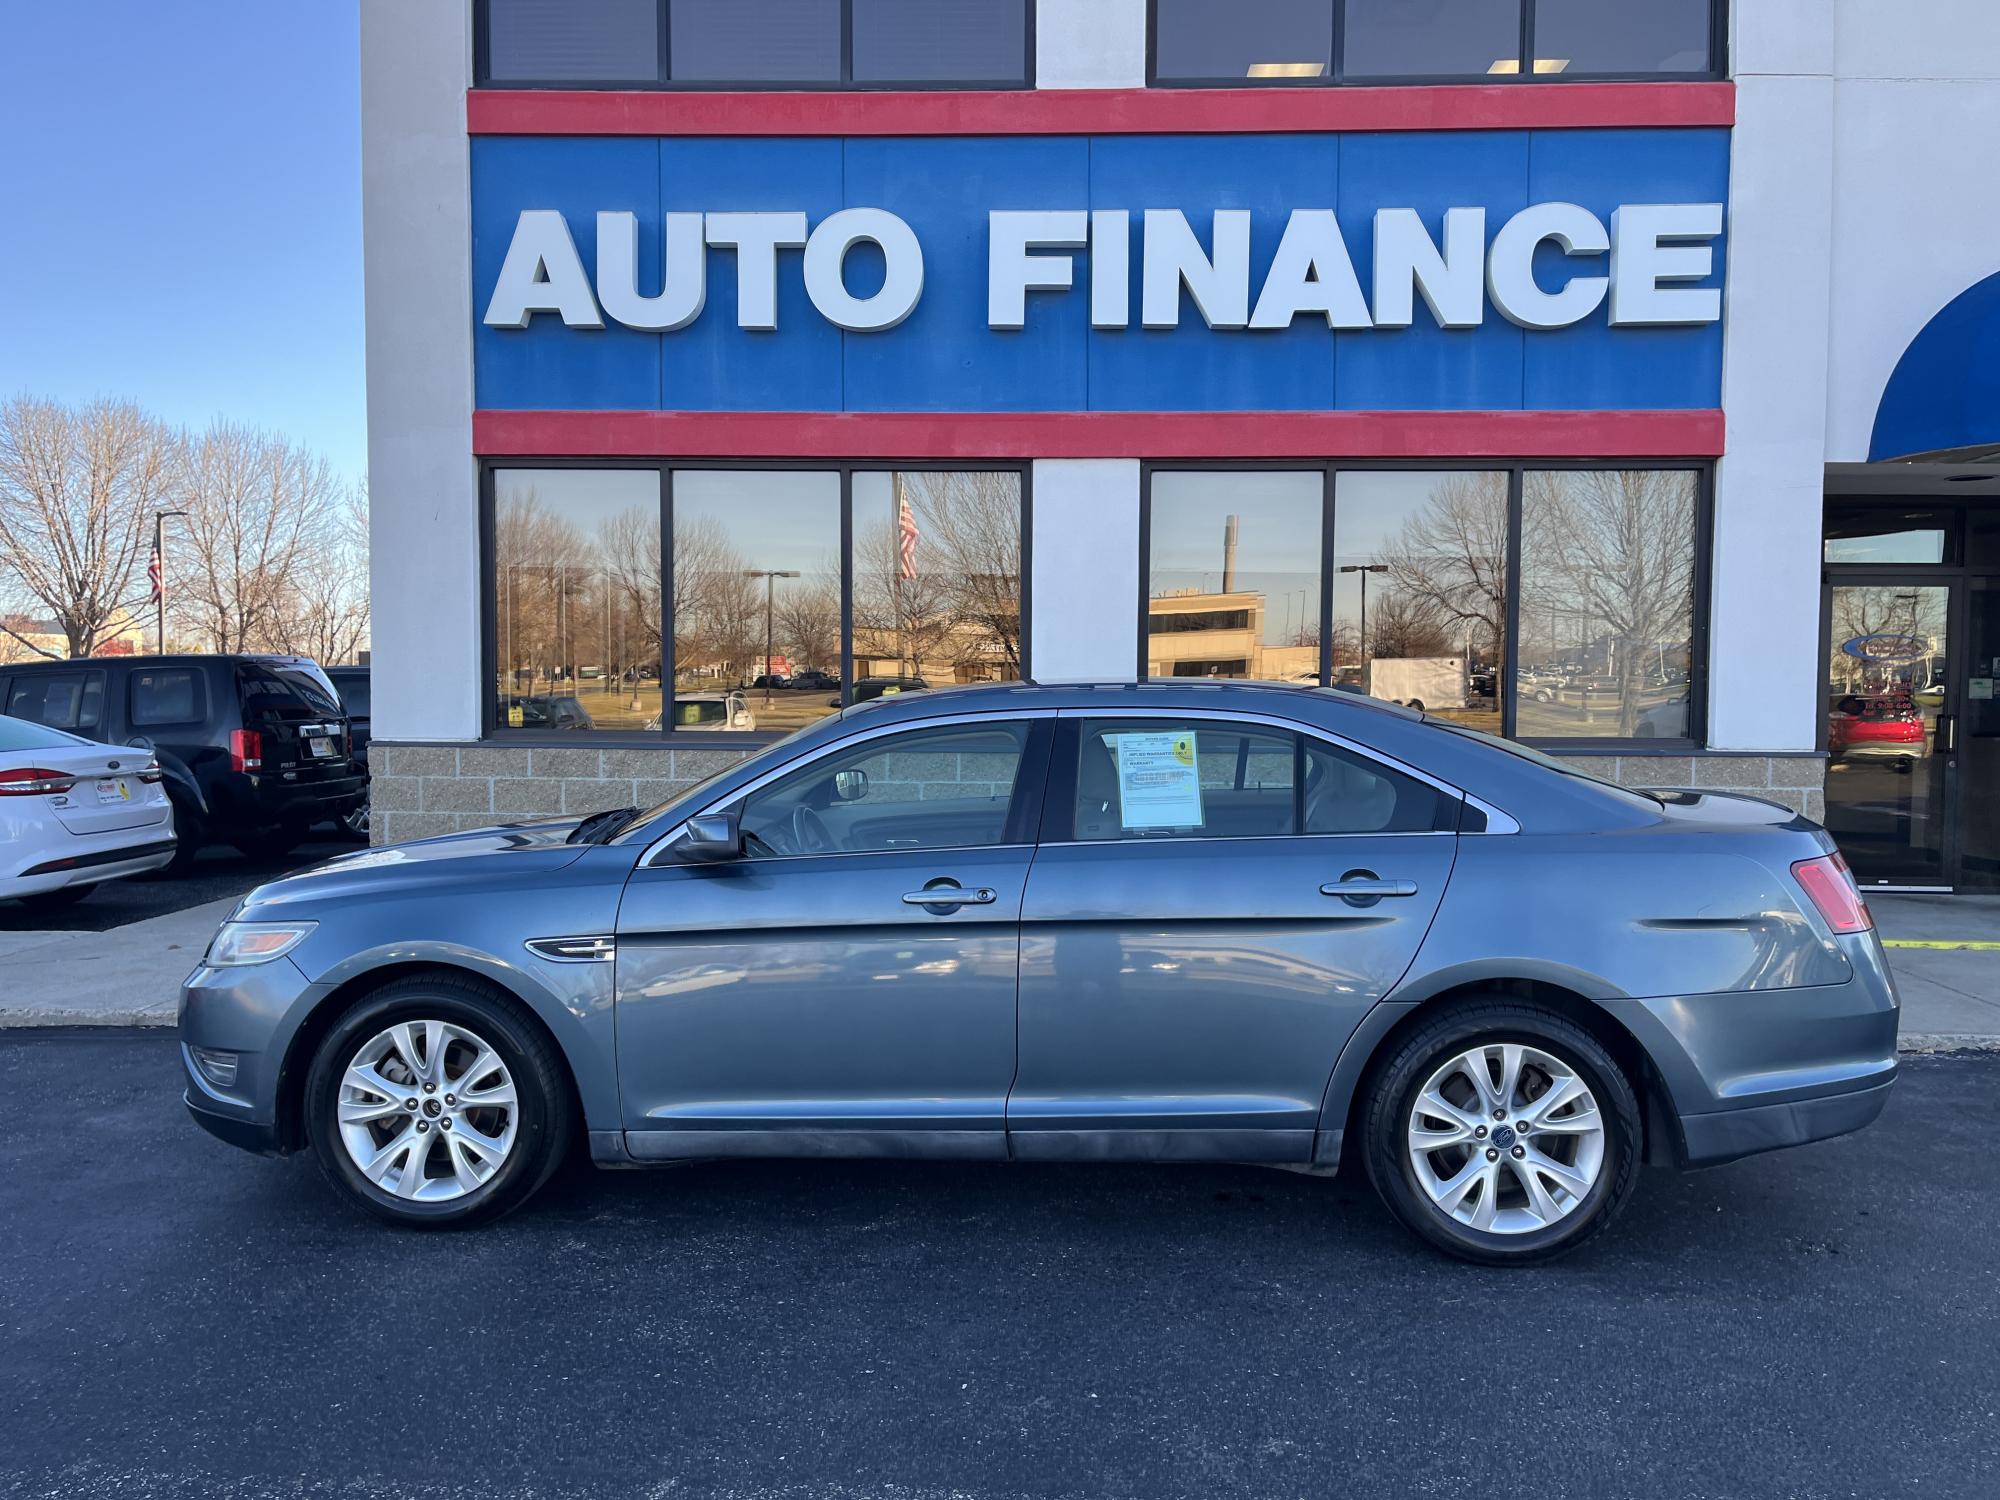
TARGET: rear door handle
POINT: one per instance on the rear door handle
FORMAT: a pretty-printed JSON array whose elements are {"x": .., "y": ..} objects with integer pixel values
[
  {"x": 952, "y": 895},
  {"x": 1367, "y": 891}
]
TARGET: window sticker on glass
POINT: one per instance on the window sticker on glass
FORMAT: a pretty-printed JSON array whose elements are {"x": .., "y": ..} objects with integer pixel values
[{"x": 1159, "y": 784}]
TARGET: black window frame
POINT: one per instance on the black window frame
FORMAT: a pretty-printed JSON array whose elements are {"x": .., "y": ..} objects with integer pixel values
[
  {"x": 665, "y": 468},
  {"x": 1516, "y": 470},
  {"x": 663, "y": 80},
  {"x": 1336, "y": 74}
]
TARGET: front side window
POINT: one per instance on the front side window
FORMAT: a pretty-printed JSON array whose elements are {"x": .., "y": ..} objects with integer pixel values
[
  {"x": 719, "y": 44},
  {"x": 950, "y": 787},
  {"x": 1266, "y": 42},
  {"x": 59, "y": 700},
  {"x": 771, "y": 598}
]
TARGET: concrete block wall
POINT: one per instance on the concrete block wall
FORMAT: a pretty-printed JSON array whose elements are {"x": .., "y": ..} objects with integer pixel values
[{"x": 1796, "y": 781}]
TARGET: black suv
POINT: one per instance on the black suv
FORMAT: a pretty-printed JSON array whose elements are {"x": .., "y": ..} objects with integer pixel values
[
  {"x": 352, "y": 685},
  {"x": 255, "y": 749}
]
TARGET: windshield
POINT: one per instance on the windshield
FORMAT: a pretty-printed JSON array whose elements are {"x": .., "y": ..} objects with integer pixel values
[
  {"x": 280, "y": 690},
  {"x": 19, "y": 734},
  {"x": 638, "y": 829},
  {"x": 1546, "y": 762}
]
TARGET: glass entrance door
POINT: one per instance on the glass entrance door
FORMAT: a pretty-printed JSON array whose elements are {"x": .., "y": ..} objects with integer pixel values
[{"x": 1890, "y": 697}]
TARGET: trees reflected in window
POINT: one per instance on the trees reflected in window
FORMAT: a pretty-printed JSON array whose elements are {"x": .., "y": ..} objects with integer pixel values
[
  {"x": 1420, "y": 589},
  {"x": 576, "y": 598},
  {"x": 756, "y": 594},
  {"x": 937, "y": 578},
  {"x": 1607, "y": 603}
]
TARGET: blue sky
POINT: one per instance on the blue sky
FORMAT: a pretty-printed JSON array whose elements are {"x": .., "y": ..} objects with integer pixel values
[{"x": 182, "y": 211}]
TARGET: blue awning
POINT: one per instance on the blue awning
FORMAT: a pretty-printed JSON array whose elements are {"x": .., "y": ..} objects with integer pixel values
[{"x": 1945, "y": 392}]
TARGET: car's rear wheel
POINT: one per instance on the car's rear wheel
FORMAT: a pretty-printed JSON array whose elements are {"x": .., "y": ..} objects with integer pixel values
[
  {"x": 355, "y": 823},
  {"x": 437, "y": 1102},
  {"x": 271, "y": 843},
  {"x": 1502, "y": 1132}
]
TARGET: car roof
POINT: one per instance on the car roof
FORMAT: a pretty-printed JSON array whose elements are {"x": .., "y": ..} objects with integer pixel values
[{"x": 1193, "y": 693}]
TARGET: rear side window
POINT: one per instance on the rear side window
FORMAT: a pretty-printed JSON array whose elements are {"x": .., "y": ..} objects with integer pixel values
[
  {"x": 286, "y": 693},
  {"x": 61, "y": 700},
  {"x": 1189, "y": 778},
  {"x": 169, "y": 695}
]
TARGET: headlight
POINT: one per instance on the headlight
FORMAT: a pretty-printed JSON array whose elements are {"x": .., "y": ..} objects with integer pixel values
[{"x": 238, "y": 943}]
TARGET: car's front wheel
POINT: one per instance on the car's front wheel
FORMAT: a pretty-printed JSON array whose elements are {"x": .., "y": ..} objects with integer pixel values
[
  {"x": 1502, "y": 1132},
  {"x": 437, "y": 1102}
]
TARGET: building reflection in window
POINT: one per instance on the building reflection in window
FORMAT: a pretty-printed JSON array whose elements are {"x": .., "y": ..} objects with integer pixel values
[
  {"x": 576, "y": 586},
  {"x": 1234, "y": 589},
  {"x": 1607, "y": 603},
  {"x": 1420, "y": 589}
]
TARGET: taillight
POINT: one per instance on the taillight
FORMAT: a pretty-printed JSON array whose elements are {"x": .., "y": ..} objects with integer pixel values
[
  {"x": 34, "y": 781},
  {"x": 152, "y": 775},
  {"x": 1830, "y": 885},
  {"x": 246, "y": 750}
]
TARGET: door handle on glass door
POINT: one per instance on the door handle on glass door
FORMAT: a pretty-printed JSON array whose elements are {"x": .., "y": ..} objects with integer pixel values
[{"x": 952, "y": 895}]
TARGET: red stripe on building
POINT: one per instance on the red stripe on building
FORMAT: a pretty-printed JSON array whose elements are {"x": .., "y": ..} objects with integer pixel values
[
  {"x": 1473, "y": 106},
  {"x": 1099, "y": 434}
]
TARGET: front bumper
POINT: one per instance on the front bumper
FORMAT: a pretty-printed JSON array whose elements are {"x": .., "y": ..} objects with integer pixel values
[{"x": 253, "y": 1012}]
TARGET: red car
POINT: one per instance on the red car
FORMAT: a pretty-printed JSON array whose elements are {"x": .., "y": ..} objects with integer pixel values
[{"x": 1877, "y": 728}]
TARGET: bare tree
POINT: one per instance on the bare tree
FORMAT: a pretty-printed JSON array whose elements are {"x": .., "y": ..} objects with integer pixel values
[
  {"x": 962, "y": 600},
  {"x": 539, "y": 563},
  {"x": 78, "y": 487},
  {"x": 809, "y": 622},
  {"x": 324, "y": 614},
  {"x": 260, "y": 516},
  {"x": 1406, "y": 625},
  {"x": 1614, "y": 550},
  {"x": 1448, "y": 568}
]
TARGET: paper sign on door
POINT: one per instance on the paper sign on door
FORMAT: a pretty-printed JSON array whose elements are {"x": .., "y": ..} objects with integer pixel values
[{"x": 1159, "y": 784}]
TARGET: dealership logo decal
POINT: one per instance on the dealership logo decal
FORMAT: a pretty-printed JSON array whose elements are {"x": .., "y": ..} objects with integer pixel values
[{"x": 1644, "y": 263}]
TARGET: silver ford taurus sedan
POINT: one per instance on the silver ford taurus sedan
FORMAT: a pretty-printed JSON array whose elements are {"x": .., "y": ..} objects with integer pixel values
[{"x": 1162, "y": 922}]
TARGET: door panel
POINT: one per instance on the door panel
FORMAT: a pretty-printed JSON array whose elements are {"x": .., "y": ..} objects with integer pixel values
[
  {"x": 1187, "y": 982},
  {"x": 806, "y": 995}
]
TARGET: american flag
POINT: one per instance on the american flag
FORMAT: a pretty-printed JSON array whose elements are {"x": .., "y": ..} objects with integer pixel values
[
  {"x": 906, "y": 536},
  {"x": 153, "y": 572}
]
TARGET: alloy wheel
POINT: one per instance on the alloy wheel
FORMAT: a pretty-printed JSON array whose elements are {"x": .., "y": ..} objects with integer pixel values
[
  {"x": 427, "y": 1111},
  {"x": 1506, "y": 1138}
]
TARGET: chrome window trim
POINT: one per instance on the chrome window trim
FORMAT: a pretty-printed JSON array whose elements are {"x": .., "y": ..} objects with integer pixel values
[{"x": 800, "y": 763}]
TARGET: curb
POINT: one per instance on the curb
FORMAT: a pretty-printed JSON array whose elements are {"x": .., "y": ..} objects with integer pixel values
[
  {"x": 1921, "y": 1044},
  {"x": 21, "y": 1020}
]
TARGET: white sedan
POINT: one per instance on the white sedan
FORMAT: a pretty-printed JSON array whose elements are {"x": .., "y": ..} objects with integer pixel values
[{"x": 74, "y": 813}]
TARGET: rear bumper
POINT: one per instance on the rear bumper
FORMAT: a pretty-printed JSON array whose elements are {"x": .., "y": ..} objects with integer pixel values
[
  {"x": 99, "y": 865},
  {"x": 1726, "y": 1135},
  {"x": 243, "y": 800}
]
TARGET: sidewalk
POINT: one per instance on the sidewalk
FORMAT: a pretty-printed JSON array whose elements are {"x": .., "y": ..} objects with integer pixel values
[{"x": 131, "y": 975}]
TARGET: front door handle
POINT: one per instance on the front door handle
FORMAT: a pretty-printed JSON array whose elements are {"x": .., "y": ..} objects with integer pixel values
[
  {"x": 952, "y": 895},
  {"x": 1361, "y": 889}
]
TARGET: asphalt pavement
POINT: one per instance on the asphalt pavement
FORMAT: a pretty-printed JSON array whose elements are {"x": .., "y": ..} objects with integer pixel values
[
  {"x": 218, "y": 871},
  {"x": 178, "y": 1318}
]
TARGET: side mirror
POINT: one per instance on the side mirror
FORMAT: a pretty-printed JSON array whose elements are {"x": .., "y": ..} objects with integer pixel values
[
  {"x": 850, "y": 786},
  {"x": 713, "y": 836}
]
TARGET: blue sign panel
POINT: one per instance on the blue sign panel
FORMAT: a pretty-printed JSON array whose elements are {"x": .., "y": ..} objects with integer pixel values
[{"x": 1547, "y": 269}]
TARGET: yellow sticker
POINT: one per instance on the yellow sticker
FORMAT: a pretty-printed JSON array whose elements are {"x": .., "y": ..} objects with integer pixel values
[
  {"x": 888, "y": 690},
  {"x": 516, "y": 716},
  {"x": 1184, "y": 749}
]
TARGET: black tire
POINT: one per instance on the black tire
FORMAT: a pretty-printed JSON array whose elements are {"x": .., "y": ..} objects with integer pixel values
[
  {"x": 1392, "y": 1093},
  {"x": 542, "y": 1129},
  {"x": 57, "y": 900},
  {"x": 354, "y": 824},
  {"x": 189, "y": 836}
]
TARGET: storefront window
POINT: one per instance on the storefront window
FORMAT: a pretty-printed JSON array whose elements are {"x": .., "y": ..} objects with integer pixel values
[
  {"x": 1607, "y": 604},
  {"x": 1264, "y": 42},
  {"x": 754, "y": 43},
  {"x": 764, "y": 612},
  {"x": 1420, "y": 589},
  {"x": 1591, "y": 635},
  {"x": 937, "y": 579},
  {"x": 1234, "y": 575},
  {"x": 1431, "y": 38},
  {"x": 576, "y": 598}
]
